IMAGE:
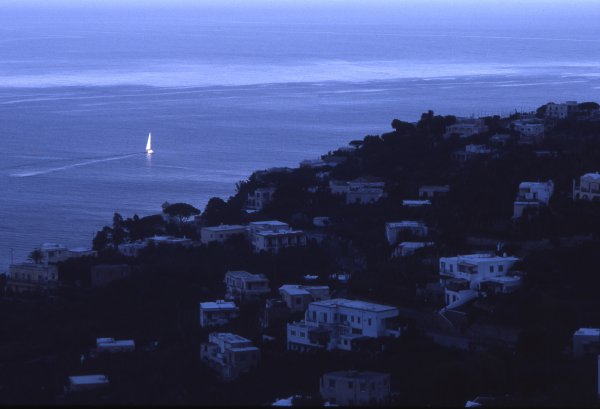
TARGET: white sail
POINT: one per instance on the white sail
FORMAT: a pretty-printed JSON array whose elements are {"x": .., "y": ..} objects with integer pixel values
[{"x": 149, "y": 144}]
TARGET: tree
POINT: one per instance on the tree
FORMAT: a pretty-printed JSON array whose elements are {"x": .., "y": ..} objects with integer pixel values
[
  {"x": 36, "y": 256},
  {"x": 118, "y": 232},
  {"x": 182, "y": 211},
  {"x": 215, "y": 211}
]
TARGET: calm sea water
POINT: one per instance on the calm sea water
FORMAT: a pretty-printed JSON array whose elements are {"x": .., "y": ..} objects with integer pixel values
[{"x": 79, "y": 96}]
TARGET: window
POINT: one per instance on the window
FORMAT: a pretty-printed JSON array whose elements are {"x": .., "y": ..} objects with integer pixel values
[
  {"x": 303, "y": 334},
  {"x": 451, "y": 268},
  {"x": 358, "y": 320},
  {"x": 335, "y": 316},
  {"x": 501, "y": 268},
  {"x": 352, "y": 318},
  {"x": 332, "y": 383},
  {"x": 343, "y": 317},
  {"x": 370, "y": 321},
  {"x": 293, "y": 333},
  {"x": 298, "y": 300},
  {"x": 443, "y": 264},
  {"x": 314, "y": 315},
  {"x": 491, "y": 269}
]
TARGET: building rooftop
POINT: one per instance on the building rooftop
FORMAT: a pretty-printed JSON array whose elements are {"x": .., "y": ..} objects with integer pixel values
[
  {"x": 595, "y": 176},
  {"x": 595, "y": 332},
  {"x": 405, "y": 223},
  {"x": 481, "y": 257},
  {"x": 281, "y": 232},
  {"x": 415, "y": 202},
  {"x": 229, "y": 337},
  {"x": 415, "y": 244},
  {"x": 225, "y": 227},
  {"x": 88, "y": 379},
  {"x": 269, "y": 222},
  {"x": 534, "y": 184},
  {"x": 218, "y": 305},
  {"x": 359, "y": 305}
]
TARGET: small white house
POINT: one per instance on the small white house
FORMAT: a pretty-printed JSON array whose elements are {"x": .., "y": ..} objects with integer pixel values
[
  {"x": 393, "y": 229},
  {"x": 260, "y": 197},
  {"x": 339, "y": 323},
  {"x": 353, "y": 388},
  {"x": 586, "y": 341},
  {"x": 297, "y": 297},
  {"x": 82, "y": 383},
  {"x": 464, "y": 276},
  {"x": 229, "y": 354},
  {"x": 217, "y": 313},
  {"x": 561, "y": 111},
  {"x": 112, "y": 345},
  {"x": 588, "y": 187},
  {"x": 220, "y": 233},
  {"x": 245, "y": 286},
  {"x": 466, "y": 127},
  {"x": 532, "y": 195}
]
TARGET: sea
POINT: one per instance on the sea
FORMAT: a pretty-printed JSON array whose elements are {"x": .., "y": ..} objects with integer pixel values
[{"x": 78, "y": 97}]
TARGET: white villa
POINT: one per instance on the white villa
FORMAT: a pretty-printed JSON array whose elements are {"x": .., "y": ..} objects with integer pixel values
[
  {"x": 464, "y": 276},
  {"x": 588, "y": 187},
  {"x": 229, "y": 354},
  {"x": 466, "y": 127},
  {"x": 561, "y": 111},
  {"x": 215, "y": 313},
  {"x": 532, "y": 195},
  {"x": 220, "y": 233},
  {"x": 245, "y": 286},
  {"x": 393, "y": 229},
  {"x": 297, "y": 297},
  {"x": 82, "y": 383},
  {"x": 112, "y": 345},
  {"x": 361, "y": 190},
  {"x": 274, "y": 240},
  {"x": 338, "y": 323},
  {"x": 26, "y": 277},
  {"x": 260, "y": 197}
]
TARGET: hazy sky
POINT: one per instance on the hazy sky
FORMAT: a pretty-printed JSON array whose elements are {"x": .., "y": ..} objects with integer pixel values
[{"x": 550, "y": 14}]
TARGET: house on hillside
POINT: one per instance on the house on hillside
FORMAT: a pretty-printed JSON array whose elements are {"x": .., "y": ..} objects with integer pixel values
[
  {"x": 588, "y": 187},
  {"x": 215, "y": 313},
  {"x": 220, "y": 233},
  {"x": 412, "y": 227},
  {"x": 532, "y": 195},
  {"x": 341, "y": 323},
  {"x": 244, "y": 286},
  {"x": 229, "y": 354}
]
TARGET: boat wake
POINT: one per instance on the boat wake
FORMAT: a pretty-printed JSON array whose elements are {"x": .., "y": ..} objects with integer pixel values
[{"x": 74, "y": 165}]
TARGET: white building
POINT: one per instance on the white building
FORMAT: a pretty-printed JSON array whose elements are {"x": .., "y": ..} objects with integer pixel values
[
  {"x": 246, "y": 286},
  {"x": 217, "y": 313},
  {"x": 132, "y": 249},
  {"x": 321, "y": 221},
  {"x": 260, "y": 197},
  {"x": 532, "y": 195},
  {"x": 416, "y": 203},
  {"x": 586, "y": 341},
  {"x": 353, "y": 388},
  {"x": 53, "y": 253},
  {"x": 82, "y": 383},
  {"x": 393, "y": 229},
  {"x": 408, "y": 248},
  {"x": 220, "y": 233},
  {"x": 530, "y": 131},
  {"x": 588, "y": 187},
  {"x": 337, "y": 323},
  {"x": 254, "y": 227},
  {"x": 26, "y": 277},
  {"x": 431, "y": 191},
  {"x": 229, "y": 354},
  {"x": 561, "y": 111},
  {"x": 362, "y": 190},
  {"x": 112, "y": 345},
  {"x": 274, "y": 240},
  {"x": 465, "y": 128},
  {"x": 464, "y": 276},
  {"x": 297, "y": 297},
  {"x": 170, "y": 241}
]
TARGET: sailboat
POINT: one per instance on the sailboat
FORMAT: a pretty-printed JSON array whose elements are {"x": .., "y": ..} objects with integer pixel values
[{"x": 149, "y": 144}]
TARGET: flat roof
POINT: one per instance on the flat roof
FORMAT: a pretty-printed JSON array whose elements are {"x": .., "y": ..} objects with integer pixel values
[
  {"x": 293, "y": 289},
  {"x": 416, "y": 202},
  {"x": 244, "y": 349},
  {"x": 474, "y": 258},
  {"x": 595, "y": 176},
  {"x": 229, "y": 337},
  {"x": 88, "y": 379},
  {"x": 281, "y": 232},
  {"x": 120, "y": 343},
  {"x": 215, "y": 305},
  {"x": 360, "y": 305},
  {"x": 224, "y": 227},
  {"x": 271, "y": 222},
  {"x": 588, "y": 331},
  {"x": 415, "y": 244},
  {"x": 405, "y": 223}
]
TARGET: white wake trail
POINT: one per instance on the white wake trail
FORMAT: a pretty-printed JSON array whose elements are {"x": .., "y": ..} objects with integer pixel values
[{"x": 75, "y": 165}]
